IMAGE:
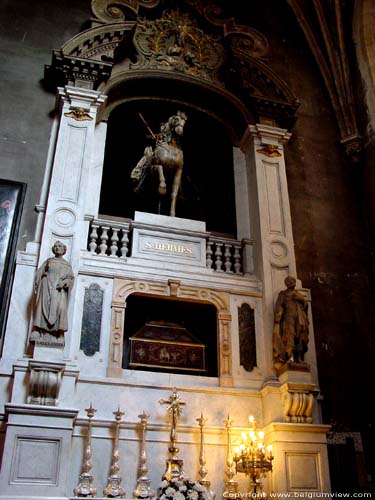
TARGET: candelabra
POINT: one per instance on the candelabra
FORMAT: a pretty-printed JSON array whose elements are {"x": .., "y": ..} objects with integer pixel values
[
  {"x": 85, "y": 487},
  {"x": 251, "y": 458}
]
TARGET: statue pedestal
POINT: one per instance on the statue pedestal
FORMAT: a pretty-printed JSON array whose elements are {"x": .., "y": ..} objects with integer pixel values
[
  {"x": 298, "y": 392},
  {"x": 301, "y": 458},
  {"x": 38, "y": 447}
]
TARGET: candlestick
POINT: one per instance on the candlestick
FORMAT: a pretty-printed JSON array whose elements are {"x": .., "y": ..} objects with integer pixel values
[
  {"x": 85, "y": 486},
  {"x": 231, "y": 485},
  {"x": 114, "y": 488},
  {"x": 143, "y": 489}
]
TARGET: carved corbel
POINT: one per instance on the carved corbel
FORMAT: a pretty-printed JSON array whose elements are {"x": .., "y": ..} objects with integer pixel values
[
  {"x": 298, "y": 401},
  {"x": 174, "y": 286},
  {"x": 45, "y": 383}
]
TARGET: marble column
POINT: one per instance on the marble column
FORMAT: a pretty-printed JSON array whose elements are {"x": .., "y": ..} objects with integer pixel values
[{"x": 271, "y": 224}]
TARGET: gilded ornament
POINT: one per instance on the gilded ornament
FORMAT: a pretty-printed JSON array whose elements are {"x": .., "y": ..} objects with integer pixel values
[
  {"x": 175, "y": 43},
  {"x": 78, "y": 114},
  {"x": 270, "y": 150}
]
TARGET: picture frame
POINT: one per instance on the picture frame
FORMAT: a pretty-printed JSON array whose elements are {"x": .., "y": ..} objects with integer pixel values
[{"x": 12, "y": 196}]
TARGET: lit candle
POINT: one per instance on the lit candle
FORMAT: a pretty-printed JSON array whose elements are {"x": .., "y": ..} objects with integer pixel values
[
  {"x": 244, "y": 437},
  {"x": 251, "y": 419},
  {"x": 261, "y": 435},
  {"x": 269, "y": 449},
  {"x": 236, "y": 451}
]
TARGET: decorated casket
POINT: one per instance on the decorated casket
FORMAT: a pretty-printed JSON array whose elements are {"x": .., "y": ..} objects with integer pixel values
[{"x": 165, "y": 345}]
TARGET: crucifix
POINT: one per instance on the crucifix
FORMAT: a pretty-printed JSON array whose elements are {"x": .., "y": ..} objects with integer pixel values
[{"x": 174, "y": 464}]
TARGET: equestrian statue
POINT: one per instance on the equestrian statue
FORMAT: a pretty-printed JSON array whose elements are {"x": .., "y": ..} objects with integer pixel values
[{"x": 166, "y": 159}]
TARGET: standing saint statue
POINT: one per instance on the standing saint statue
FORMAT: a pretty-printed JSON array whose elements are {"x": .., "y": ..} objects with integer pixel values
[
  {"x": 291, "y": 326},
  {"x": 53, "y": 283}
]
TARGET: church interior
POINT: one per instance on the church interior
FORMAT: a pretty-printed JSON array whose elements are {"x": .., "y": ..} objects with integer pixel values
[{"x": 187, "y": 249}]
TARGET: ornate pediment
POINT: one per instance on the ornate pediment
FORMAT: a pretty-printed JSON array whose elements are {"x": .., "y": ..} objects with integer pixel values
[
  {"x": 175, "y": 43},
  {"x": 190, "y": 40}
]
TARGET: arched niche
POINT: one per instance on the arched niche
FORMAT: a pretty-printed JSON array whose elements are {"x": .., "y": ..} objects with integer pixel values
[
  {"x": 173, "y": 290},
  {"x": 220, "y": 78},
  {"x": 208, "y": 142},
  {"x": 153, "y": 322}
]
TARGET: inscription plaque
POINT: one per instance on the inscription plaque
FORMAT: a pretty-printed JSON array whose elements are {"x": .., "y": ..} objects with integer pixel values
[{"x": 91, "y": 320}]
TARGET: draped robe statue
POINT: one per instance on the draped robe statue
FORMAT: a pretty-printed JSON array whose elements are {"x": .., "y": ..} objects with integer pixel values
[
  {"x": 291, "y": 326},
  {"x": 53, "y": 283}
]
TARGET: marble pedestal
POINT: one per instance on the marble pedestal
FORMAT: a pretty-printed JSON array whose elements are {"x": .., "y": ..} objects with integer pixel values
[{"x": 37, "y": 452}]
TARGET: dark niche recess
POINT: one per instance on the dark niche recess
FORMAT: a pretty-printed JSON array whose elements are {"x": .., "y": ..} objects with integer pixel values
[
  {"x": 198, "y": 318},
  {"x": 207, "y": 187}
]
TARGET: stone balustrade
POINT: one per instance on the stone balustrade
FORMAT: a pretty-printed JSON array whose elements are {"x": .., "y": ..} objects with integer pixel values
[
  {"x": 111, "y": 238},
  {"x": 224, "y": 255}
]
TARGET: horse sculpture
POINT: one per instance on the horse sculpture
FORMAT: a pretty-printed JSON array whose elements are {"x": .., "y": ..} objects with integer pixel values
[{"x": 166, "y": 158}]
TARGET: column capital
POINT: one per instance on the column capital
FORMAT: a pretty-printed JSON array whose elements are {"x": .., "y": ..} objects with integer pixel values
[
  {"x": 77, "y": 97},
  {"x": 265, "y": 134}
]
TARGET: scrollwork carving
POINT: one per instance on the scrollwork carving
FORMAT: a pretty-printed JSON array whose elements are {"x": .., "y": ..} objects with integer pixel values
[
  {"x": 109, "y": 11},
  {"x": 246, "y": 39},
  {"x": 174, "y": 42}
]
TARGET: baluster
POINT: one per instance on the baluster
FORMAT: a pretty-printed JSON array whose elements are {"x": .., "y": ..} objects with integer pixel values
[
  {"x": 104, "y": 237},
  {"x": 218, "y": 255},
  {"x": 124, "y": 242},
  {"x": 228, "y": 257},
  {"x": 237, "y": 259},
  {"x": 93, "y": 237},
  {"x": 209, "y": 260},
  {"x": 114, "y": 241}
]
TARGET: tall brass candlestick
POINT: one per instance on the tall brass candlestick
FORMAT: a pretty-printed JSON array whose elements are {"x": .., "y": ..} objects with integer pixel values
[
  {"x": 231, "y": 490},
  {"x": 174, "y": 464},
  {"x": 202, "y": 458},
  {"x": 85, "y": 487},
  {"x": 114, "y": 488},
  {"x": 143, "y": 489}
]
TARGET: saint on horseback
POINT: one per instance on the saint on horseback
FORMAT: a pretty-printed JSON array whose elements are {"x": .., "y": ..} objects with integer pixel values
[{"x": 166, "y": 159}]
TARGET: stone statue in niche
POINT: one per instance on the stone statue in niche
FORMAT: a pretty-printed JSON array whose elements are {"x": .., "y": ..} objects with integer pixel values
[
  {"x": 246, "y": 329},
  {"x": 166, "y": 159},
  {"x": 291, "y": 326},
  {"x": 53, "y": 283}
]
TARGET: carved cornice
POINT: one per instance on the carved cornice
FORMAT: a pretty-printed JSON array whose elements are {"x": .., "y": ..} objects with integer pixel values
[
  {"x": 76, "y": 71},
  {"x": 322, "y": 24},
  {"x": 260, "y": 88},
  {"x": 99, "y": 43}
]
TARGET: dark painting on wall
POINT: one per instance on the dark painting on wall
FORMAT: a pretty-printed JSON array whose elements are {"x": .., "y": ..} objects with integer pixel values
[{"x": 12, "y": 195}]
